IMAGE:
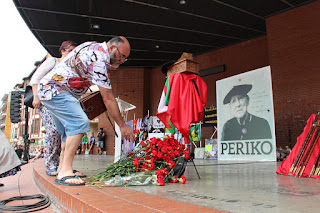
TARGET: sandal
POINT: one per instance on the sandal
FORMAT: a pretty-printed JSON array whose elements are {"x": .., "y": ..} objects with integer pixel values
[
  {"x": 81, "y": 176},
  {"x": 62, "y": 181},
  {"x": 50, "y": 171}
]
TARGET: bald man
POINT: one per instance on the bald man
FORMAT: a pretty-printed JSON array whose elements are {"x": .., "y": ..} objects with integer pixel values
[{"x": 61, "y": 89}]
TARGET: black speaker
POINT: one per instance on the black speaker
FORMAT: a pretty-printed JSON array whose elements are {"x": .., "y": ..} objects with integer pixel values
[{"x": 15, "y": 107}]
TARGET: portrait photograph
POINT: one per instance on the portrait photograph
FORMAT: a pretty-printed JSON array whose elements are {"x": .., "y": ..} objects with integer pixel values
[{"x": 245, "y": 114}]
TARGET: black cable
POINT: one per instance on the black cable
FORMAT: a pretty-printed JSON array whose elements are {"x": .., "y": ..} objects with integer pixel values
[{"x": 44, "y": 203}]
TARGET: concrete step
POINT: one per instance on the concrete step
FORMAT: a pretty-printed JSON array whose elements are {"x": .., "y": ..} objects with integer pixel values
[{"x": 106, "y": 199}]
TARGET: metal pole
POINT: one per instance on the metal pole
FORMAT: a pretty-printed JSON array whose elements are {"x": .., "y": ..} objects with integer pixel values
[
  {"x": 114, "y": 130},
  {"x": 26, "y": 137}
]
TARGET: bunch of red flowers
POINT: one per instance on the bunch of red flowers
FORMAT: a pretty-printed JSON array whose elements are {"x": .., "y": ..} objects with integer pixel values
[
  {"x": 160, "y": 156},
  {"x": 175, "y": 179}
]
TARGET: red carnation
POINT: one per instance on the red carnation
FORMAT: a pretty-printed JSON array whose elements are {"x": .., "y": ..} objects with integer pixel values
[
  {"x": 160, "y": 155},
  {"x": 154, "y": 152},
  {"x": 172, "y": 155},
  {"x": 159, "y": 173},
  {"x": 177, "y": 153},
  {"x": 170, "y": 149},
  {"x": 152, "y": 165},
  {"x": 171, "y": 164},
  {"x": 144, "y": 167},
  {"x": 160, "y": 182},
  {"x": 174, "y": 179},
  {"x": 187, "y": 157},
  {"x": 164, "y": 171},
  {"x": 147, "y": 158},
  {"x": 164, "y": 149},
  {"x": 182, "y": 179},
  {"x": 136, "y": 162},
  {"x": 166, "y": 158}
]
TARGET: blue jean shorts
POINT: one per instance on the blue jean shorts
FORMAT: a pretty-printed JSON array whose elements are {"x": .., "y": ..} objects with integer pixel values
[
  {"x": 68, "y": 115},
  {"x": 100, "y": 144}
]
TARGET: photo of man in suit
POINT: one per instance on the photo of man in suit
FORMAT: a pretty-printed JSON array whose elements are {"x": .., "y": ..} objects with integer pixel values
[{"x": 243, "y": 126}]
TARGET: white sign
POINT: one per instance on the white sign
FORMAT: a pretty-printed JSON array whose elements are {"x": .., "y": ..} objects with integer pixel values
[
  {"x": 246, "y": 129},
  {"x": 157, "y": 123},
  {"x": 117, "y": 143}
]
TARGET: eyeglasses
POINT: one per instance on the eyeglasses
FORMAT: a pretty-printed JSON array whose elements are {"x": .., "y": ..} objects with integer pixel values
[
  {"x": 68, "y": 50},
  {"x": 124, "y": 57}
]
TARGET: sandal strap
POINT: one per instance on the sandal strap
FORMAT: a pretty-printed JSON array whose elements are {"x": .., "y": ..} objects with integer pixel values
[{"x": 69, "y": 177}]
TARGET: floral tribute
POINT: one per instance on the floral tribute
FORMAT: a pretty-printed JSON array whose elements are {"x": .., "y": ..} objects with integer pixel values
[{"x": 154, "y": 157}]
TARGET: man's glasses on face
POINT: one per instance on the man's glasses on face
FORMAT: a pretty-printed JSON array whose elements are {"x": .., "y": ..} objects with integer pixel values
[
  {"x": 124, "y": 57},
  {"x": 68, "y": 50}
]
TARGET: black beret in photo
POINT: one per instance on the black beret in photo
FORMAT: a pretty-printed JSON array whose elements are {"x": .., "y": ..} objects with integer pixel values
[
  {"x": 164, "y": 67},
  {"x": 237, "y": 90}
]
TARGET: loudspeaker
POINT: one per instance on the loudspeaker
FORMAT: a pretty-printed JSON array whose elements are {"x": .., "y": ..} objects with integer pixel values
[{"x": 15, "y": 107}]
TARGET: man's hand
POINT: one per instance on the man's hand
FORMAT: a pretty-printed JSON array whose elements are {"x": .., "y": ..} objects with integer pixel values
[
  {"x": 113, "y": 108},
  {"x": 127, "y": 133}
]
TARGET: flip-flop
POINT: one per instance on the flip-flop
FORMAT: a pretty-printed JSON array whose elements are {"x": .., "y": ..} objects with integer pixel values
[
  {"x": 81, "y": 176},
  {"x": 62, "y": 181},
  {"x": 50, "y": 171}
]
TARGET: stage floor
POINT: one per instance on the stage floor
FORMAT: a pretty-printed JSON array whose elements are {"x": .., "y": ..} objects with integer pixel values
[{"x": 229, "y": 186}]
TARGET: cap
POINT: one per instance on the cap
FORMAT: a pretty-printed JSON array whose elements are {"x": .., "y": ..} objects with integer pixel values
[{"x": 237, "y": 90}]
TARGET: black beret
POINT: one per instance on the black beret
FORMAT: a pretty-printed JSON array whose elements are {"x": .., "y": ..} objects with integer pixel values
[{"x": 237, "y": 90}]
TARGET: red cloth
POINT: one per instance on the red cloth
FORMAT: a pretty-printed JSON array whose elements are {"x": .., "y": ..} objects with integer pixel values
[
  {"x": 285, "y": 166},
  {"x": 185, "y": 106}
]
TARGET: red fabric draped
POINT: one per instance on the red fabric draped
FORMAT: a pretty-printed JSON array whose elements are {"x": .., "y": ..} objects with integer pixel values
[
  {"x": 186, "y": 106},
  {"x": 285, "y": 166}
]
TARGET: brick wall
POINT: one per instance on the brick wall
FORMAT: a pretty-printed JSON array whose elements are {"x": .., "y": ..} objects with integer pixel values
[
  {"x": 294, "y": 44},
  {"x": 157, "y": 80}
]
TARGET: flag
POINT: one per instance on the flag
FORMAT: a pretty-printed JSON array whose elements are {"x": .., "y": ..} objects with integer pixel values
[
  {"x": 163, "y": 107},
  {"x": 182, "y": 102}
]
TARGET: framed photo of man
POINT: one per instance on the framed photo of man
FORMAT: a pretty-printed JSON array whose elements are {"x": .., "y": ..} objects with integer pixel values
[{"x": 246, "y": 129}]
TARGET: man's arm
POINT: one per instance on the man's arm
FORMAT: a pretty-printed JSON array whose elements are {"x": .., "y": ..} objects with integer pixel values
[{"x": 112, "y": 106}]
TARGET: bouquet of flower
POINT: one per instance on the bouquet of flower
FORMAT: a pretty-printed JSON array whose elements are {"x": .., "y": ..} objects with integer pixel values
[{"x": 154, "y": 156}]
